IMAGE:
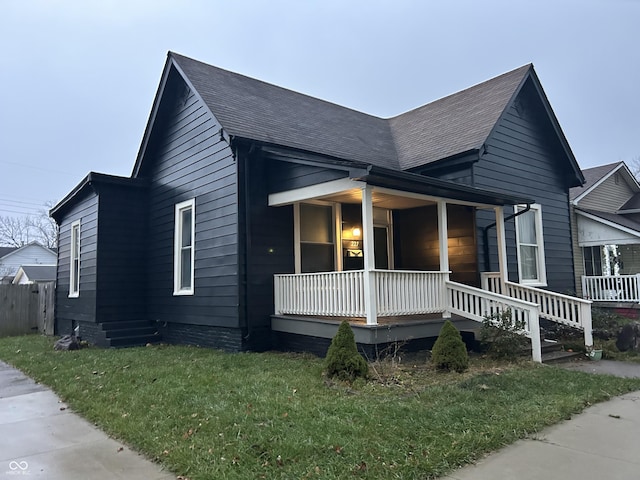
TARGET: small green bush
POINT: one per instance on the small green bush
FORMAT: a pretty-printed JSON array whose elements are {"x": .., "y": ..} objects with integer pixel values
[
  {"x": 449, "y": 352},
  {"x": 343, "y": 360},
  {"x": 500, "y": 333}
]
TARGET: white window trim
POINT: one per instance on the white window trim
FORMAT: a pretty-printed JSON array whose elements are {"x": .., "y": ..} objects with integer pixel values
[
  {"x": 189, "y": 204},
  {"x": 73, "y": 273},
  {"x": 541, "y": 281},
  {"x": 337, "y": 234}
]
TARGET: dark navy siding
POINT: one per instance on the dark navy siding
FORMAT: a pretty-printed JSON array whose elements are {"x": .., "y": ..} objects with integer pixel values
[
  {"x": 269, "y": 249},
  {"x": 187, "y": 158},
  {"x": 288, "y": 176},
  {"x": 122, "y": 255},
  {"x": 525, "y": 158},
  {"x": 83, "y": 307}
]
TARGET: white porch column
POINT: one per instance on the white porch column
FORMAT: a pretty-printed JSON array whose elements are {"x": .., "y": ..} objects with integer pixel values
[
  {"x": 443, "y": 244},
  {"x": 370, "y": 297},
  {"x": 502, "y": 249}
]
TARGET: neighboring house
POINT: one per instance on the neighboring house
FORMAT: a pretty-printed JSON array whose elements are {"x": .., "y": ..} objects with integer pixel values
[
  {"x": 257, "y": 217},
  {"x": 606, "y": 225},
  {"x": 28, "y": 274},
  {"x": 30, "y": 254}
]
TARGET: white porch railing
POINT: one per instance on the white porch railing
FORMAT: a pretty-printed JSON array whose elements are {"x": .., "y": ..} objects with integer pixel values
[
  {"x": 341, "y": 294},
  {"x": 567, "y": 310},
  {"x": 618, "y": 288},
  {"x": 476, "y": 304},
  {"x": 397, "y": 292}
]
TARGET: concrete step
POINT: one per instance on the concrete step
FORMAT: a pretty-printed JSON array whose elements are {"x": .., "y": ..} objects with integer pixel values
[
  {"x": 133, "y": 341},
  {"x": 559, "y": 356}
]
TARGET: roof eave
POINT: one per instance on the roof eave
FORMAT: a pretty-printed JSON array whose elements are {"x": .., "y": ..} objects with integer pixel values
[{"x": 441, "y": 188}]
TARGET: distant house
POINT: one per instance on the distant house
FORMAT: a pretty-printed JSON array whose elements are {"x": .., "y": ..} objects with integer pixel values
[
  {"x": 31, "y": 254},
  {"x": 606, "y": 225},
  {"x": 257, "y": 217},
  {"x": 35, "y": 274}
]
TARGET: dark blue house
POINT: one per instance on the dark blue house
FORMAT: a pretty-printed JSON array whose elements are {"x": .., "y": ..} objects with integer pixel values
[{"x": 257, "y": 217}]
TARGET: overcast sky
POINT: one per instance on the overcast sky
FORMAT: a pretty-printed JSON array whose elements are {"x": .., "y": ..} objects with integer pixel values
[{"x": 77, "y": 78}]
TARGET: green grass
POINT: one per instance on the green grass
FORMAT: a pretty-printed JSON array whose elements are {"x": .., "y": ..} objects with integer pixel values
[{"x": 207, "y": 414}]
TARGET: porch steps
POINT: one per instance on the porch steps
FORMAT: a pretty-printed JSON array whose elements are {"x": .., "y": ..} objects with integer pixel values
[
  {"x": 130, "y": 333},
  {"x": 554, "y": 352}
]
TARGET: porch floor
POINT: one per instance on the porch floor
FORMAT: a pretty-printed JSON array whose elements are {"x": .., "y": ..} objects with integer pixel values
[{"x": 388, "y": 329}]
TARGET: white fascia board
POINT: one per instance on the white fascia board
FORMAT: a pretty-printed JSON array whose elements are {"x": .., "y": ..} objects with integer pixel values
[{"x": 313, "y": 191}]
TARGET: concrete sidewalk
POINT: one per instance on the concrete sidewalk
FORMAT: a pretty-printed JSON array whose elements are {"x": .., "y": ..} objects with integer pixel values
[
  {"x": 41, "y": 438},
  {"x": 602, "y": 442}
]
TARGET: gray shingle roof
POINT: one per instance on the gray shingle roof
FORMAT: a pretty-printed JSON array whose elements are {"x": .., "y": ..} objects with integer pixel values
[
  {"x": 40, "y": 273},
  {"x": 256, "y": 110},
  {"x": 592, "y": 176},
  {"x": 253, "y": 109},
  {"x": 454, "y": 124},
  {"x": 6, "y": 251},
  {"x": 633, "y": 203}
]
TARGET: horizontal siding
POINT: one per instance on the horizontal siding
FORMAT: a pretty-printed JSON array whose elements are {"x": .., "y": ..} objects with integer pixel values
[
  {"x": 524, "y": 158},
  {"x": 187, "y": 159},
  {"x": 270, "y": 230},
  {"x": 82, "y": 308},
  {"x": 609, "y": 196},
  {"x": 122, "y": 254},
  {"x": 283, "y": 176}
]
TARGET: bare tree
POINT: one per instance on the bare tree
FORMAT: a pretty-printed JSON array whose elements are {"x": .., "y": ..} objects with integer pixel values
[
  {"x": 634, "y": 166},
  {"x": 20, "y": 231},
  {"x": 15, "y": 231}
]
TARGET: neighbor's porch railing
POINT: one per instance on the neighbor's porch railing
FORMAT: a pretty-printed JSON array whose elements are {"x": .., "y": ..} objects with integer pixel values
[
  {"x": 618, "y": 288},
  {"x": 341, "y": 294},
  {"x": 565, "y": 309}
]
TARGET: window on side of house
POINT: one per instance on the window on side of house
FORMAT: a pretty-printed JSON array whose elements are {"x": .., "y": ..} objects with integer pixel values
[
  {"x": 74, "y": 274},
  {"x": 530, "y": 246},
  {"x": 184, "y": 248}
]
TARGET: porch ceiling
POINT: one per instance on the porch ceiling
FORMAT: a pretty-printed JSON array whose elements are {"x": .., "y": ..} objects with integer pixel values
[{"x": 380, "y": 199}]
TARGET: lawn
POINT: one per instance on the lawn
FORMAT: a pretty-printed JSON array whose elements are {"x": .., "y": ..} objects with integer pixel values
[{"x": 207, "y": 414}]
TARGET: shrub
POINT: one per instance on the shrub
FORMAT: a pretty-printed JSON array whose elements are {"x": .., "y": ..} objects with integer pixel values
[
  {"x": 343, "y": 360},
  {"x": 449, "y": 352},
  {"x": 500, "y": 333}
]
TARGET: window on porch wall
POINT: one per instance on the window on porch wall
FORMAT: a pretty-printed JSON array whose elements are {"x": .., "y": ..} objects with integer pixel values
[
  {"x": 592, "y": 261},
  {"x": 317, "y": 238},
  {"x": 530, "y": 246}
]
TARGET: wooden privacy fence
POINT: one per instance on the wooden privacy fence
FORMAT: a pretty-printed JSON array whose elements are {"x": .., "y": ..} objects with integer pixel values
[{"x": 27, "y": 309}]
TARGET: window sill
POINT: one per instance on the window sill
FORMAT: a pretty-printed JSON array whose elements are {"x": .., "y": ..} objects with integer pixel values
[
  {"x": 73, "y": 295},
  {"x": 533, "y": 284},
  {"x": 181, "y": 293}
]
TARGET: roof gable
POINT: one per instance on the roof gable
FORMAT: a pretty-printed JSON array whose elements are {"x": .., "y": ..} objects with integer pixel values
[
  {"x": 258, "y": 111},
  {"x": 596, "y": 176},
  {"x": 36, "y": 273}
]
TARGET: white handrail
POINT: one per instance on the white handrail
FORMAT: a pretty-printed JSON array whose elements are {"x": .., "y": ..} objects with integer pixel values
[
  {"x": 571, "y": 311},
  {"x": 478, "y": 304}
]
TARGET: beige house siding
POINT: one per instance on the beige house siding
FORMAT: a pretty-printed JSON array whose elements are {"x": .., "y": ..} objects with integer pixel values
[
  {"x": 608, "y": 196},
  {"x": 578, "y": 261}
]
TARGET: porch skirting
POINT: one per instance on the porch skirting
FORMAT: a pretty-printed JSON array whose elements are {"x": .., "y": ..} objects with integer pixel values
[{"x": 419, "y": 331}]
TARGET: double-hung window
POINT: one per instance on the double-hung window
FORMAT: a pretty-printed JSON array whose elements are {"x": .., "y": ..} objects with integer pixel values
[
  {"x": 184, "y": 252},
  {"x": 530, "y": 246},
  {"x": 74, "y": 274}
]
